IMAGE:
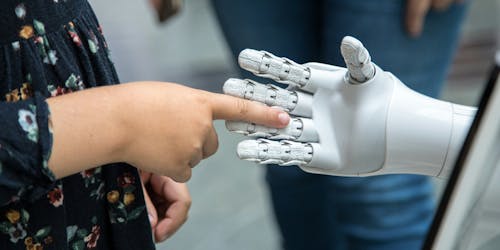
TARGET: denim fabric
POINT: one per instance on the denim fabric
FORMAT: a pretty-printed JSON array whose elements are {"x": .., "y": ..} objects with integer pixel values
[{"x": 325, "y": 212}]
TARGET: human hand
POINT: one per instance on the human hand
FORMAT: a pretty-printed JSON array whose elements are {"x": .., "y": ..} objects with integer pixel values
[
  {"x": 158, "y": 127},
  {"x": 167, "y": 203},
  {"x": 416, "y": 10},
  {"x": 173, "y": 125}
]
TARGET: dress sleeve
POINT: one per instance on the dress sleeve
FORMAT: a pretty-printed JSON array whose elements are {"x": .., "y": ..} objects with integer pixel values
[{"x": 25, "y": 145}]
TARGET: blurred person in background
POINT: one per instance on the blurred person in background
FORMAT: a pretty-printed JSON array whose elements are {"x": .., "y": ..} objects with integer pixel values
[{"x": 415, "y": 40}]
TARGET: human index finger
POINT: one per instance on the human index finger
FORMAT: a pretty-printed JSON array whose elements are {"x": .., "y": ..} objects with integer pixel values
[{"x": 231, "y": 108}]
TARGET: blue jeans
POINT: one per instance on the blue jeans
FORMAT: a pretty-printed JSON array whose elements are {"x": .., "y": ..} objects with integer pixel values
[{"x": 325, "y": 212}]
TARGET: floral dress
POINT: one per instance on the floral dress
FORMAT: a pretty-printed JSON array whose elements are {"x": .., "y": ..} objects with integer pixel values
[{"x": 50, "y": 48}]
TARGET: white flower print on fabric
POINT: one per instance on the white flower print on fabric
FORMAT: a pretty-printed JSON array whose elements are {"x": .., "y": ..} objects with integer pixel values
[
  {"x": 16, "y": 46},
  {"x": 51, "y": 57},
  {"x": 17, "y": 233},
  {"x": 20, "y": 11},
  {"x": 27, "y": 120}
]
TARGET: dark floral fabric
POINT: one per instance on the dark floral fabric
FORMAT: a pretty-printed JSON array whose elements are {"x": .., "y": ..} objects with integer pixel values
[{"x": 50, "y": 48}]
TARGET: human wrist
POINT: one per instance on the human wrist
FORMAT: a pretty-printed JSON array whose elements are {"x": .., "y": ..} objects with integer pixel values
[
  {"x": 92, "y": 120},
  {"x": 127, "y": 107},
  {"x": 122, "y": 113}
]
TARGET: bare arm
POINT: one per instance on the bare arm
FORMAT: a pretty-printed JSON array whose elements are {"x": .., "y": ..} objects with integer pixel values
[
  {"x": 158, "y": 127},
  {"x": 88, "y": 129}
]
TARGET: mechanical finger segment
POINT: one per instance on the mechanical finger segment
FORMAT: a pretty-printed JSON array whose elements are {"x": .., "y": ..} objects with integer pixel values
[
  {"x": 357, "y": 59},
  {"x": 283, "y": 153},
  {"x": 299, "y": 129},
  {"x": 296, "y": 102},
  {"x": 280, "y": 69}
]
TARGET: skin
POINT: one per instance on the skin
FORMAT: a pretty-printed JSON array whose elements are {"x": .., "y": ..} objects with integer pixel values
[
  {"x": 416, "y": 11},
  {"x": 163, "y": 129},
  {"x": 167, "y": 202}
]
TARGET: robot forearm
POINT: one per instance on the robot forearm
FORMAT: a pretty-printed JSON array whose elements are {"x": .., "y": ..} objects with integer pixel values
[
  {"x": 423, "y": 135},
  {"x": 358, "y": 121}
]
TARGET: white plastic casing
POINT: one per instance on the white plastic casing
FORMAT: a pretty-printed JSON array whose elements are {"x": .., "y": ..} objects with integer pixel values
[
  {"x": 424, "y": 135},
  {"x": 418, "y": 133},
  {"x": 383, "y": 127},
  {"x": 370, "y": 125},
  {"x": 462, "y": 120},
  {"x": 351, "y": 122},
  {"x": 304, "y": 104}
]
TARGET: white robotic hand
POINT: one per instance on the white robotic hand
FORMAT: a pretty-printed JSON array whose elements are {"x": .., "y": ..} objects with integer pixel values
[{"x": 354, "y": 121}]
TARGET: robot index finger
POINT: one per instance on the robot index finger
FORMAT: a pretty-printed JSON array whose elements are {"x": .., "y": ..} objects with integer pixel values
[{"x": 295, "y": 102}]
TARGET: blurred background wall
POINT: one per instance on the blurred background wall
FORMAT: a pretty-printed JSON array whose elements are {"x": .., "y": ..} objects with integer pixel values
[{"x": 230, "y": 204}]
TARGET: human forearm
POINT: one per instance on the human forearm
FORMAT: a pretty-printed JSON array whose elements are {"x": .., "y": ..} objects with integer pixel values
[
  {"x": 87, "y": 128},
  {"x": 158, "y": 127}
]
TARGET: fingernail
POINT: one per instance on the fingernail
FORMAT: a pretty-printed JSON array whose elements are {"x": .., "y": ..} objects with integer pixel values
[
  {"x": 284, "y": 118},
  {"x": 150, "y": 218}
]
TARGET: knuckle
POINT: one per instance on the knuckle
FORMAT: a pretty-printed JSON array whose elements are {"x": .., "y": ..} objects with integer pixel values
[
  {"x": 204, "y": 126},
  {"x": 212, "y": 150},
  {"x": 186, "y": 175},
  {"x": 201, "y": 98},
  {"x": 196, "y": 148},
  {"x": 182, "y": 174},
  {"x": 207, "y": 125},
  {"x": 242, "y": 106}
]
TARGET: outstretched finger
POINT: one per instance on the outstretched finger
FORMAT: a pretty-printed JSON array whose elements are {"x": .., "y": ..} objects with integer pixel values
[{"x": 231, "y": 108}]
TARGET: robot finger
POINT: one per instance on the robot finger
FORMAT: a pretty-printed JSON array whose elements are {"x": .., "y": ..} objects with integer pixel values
[
  {"x": 357, "y": 59},
  {"x": 283, "y": 153},
  {"x": 284, "y": 70},
  {"x": 299, "y": 129},
  {"x": 280, "y": 69},
  {"x": 295, "y": 102}
]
